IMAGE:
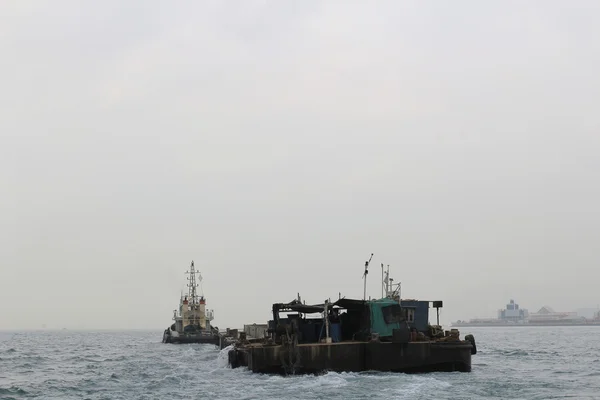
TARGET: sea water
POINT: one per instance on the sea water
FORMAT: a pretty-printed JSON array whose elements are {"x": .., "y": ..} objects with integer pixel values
[{"x": 511, "y": 363}]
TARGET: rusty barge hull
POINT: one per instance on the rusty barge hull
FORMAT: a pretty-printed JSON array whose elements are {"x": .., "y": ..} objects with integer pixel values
[{"x": 412, "y": 357}]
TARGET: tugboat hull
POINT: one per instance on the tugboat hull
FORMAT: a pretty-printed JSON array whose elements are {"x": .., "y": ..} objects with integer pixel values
[
  {"x": 195, "y": 339},
  {"x": 168, "y": 337}
]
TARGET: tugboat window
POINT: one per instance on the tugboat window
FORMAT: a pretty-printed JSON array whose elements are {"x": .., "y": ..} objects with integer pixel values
[{"x": 392, "y": 314}]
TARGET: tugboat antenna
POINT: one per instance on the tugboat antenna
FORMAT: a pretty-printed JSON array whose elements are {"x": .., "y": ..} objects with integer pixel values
[
  {"x": 365, "y": 276},
  {"x": 192, "y": 285}
]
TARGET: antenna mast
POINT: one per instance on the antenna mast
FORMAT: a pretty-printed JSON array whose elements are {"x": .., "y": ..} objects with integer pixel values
[
  {"x": 387, "y": 284},
  {"x": 365, "y": 276},
  {"x": 385, "y": 281},
  {"x": 382, "y": 281},
  {"x": 192, "y": 285}
]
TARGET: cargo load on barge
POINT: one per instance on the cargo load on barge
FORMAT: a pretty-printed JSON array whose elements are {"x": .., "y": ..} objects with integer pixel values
[
  {"x": 352, "y": 335},
  {"x": 192, "y": 319}
]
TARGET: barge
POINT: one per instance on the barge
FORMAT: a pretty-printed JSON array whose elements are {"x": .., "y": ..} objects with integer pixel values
[{"x": 353, "y": 335}]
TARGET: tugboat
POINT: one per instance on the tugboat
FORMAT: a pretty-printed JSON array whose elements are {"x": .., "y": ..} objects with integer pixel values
[
  {"x": 192, "y": 319},
  {"x": 352, "y": 335}
]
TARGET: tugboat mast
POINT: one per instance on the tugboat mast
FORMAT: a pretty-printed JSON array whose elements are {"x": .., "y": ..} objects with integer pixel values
[
  {"x": 192, "y": 285},
  {"x": 194, "y": 304}
]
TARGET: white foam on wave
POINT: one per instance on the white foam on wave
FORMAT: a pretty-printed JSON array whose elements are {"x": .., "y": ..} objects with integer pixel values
[
  {"x": 329, "y": 380},
  {"x": 390, "y": 385},
  {"x": 223, "y": 357},
  {"x": 414, "y": 385}
]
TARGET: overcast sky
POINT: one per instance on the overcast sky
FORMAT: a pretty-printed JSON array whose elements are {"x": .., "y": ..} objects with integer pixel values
[{"x": 279, "y": 143}]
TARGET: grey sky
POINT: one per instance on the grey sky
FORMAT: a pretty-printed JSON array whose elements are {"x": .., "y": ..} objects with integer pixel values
[{"x": 279, "y": 143}]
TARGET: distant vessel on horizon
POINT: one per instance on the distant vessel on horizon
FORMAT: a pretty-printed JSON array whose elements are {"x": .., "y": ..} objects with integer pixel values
[{"x": 513, "y": 315}]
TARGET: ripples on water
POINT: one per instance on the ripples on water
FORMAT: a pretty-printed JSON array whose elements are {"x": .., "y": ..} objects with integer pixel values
[{"x": 512, "y": 363}]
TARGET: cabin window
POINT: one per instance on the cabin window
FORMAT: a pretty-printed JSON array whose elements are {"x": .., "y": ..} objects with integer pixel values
[
  {"x": 409, "y": 314},
  {"x": 392, "y": 314}
]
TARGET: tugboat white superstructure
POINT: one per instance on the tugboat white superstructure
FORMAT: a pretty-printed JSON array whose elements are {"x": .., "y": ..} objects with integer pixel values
[{"x": 192, "y": 319}]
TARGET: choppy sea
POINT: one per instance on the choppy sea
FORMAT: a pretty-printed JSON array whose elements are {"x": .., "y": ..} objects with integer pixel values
[{"x": 512, "y": 363}]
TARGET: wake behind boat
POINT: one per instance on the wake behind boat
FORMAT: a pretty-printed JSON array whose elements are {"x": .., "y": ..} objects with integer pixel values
[{"x": 192, "y": 319}]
